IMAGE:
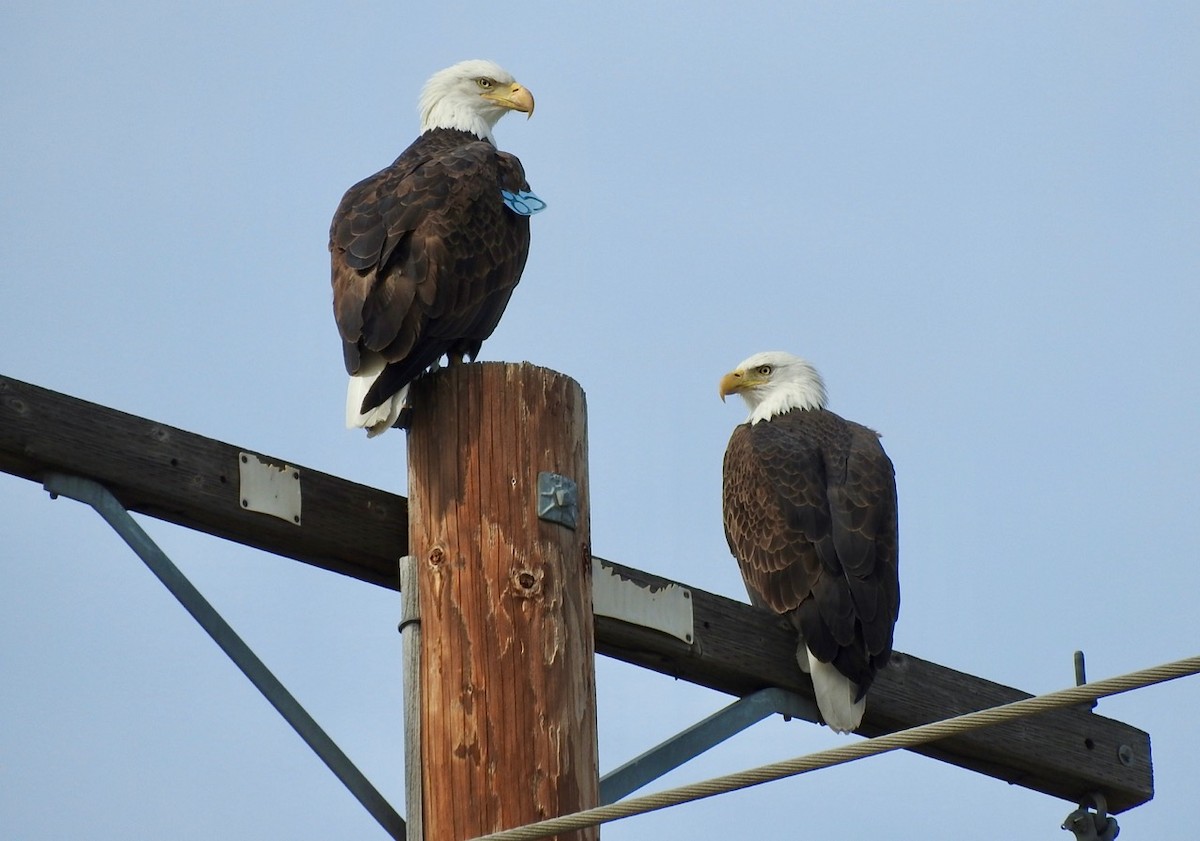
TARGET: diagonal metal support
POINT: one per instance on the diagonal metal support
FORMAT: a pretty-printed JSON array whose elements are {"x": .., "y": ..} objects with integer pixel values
[
  {"x": 705, "y": 734},
  {"x": 110, "y": 508}
]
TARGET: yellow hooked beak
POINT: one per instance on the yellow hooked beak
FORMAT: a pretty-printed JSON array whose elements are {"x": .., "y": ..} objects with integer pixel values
[
  {"x": 735, "y": 382},
  {"x": 513, "y": 96}
]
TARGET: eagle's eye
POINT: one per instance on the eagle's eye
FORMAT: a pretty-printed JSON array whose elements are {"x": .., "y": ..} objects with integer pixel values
[
  {"x": 484, "y": 82},
  {"x": 765, "y": 370}
]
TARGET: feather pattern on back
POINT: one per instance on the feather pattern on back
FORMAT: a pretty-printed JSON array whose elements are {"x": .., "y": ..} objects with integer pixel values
[
  {"x": 810, "y": 514},
  {"x": 425, "y": 256}
]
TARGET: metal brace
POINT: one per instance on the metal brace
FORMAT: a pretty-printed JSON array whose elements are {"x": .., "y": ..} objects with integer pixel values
[
  {"x": 114, "y": 513},
  {"x": 700, "y": 737},
  {"x": 1092, "y": 826}
]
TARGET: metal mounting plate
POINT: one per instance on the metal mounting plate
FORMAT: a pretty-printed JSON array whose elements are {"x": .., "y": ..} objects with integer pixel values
[
  {"x": 667, "y": 609},
  {"x": 269, "y": 488}
]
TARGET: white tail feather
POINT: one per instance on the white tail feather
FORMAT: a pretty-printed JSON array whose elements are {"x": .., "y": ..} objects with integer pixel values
[
  {"x": 835, "y": 694},
  {"x": 382, "y": 417}
]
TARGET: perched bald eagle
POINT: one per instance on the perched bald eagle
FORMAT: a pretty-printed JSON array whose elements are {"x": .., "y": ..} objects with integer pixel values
[
  {"x": 426, "y": 252},
  {"x": 810, "y": 515}
]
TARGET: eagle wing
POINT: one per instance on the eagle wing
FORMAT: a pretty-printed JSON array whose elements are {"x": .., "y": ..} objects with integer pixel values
[
  {"x": 425, "y": 256},
  {"x": 810, "y": 514}
]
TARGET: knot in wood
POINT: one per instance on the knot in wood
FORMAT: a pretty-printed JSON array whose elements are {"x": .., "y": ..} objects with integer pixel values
[
  {"x": 436, "y": 556},
  {"x": 527, "y": 582}
]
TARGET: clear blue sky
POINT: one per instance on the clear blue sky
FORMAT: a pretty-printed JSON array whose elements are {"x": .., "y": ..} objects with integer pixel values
[{"x": 980, "y": 222}]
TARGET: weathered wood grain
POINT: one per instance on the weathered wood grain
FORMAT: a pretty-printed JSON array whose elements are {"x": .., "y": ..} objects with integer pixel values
[
  {"x": 191, "y": 480},
  {"x": 508, "y": 687}
]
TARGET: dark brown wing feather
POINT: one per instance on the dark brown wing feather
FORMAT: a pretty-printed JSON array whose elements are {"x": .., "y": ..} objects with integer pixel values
[
  {"x": 425, "y": 256},
  {"x": 810, "y": 514}
]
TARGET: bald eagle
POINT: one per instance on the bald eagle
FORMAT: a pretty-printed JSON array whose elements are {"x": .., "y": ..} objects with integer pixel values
[
  {"x": 426, "y": 252},
  {"x": 810, "y": 514}
]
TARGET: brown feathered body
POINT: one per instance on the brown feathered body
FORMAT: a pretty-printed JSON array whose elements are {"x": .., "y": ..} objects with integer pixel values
[
  {"x": 425, "y": 256},
  {"x": 810, "y": 515}
]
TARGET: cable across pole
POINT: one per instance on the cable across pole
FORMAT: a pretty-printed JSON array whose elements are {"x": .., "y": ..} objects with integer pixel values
[{"x": 848, "y": 753}]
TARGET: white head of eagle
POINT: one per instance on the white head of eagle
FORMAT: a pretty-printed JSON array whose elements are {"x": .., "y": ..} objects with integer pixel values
[
  {"x": 774, "y": 382},
  {"x": 472, "y": 96}
]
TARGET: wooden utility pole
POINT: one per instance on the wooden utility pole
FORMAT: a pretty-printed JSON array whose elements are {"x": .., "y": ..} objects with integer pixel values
[{"x": 498, "y": 524}]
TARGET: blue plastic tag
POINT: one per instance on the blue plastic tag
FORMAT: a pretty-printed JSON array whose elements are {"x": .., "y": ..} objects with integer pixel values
[{"x": 524, "y": 202}]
